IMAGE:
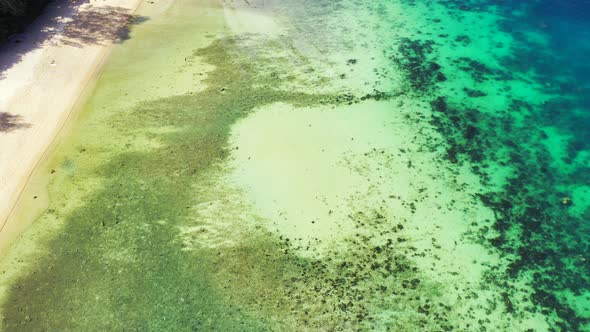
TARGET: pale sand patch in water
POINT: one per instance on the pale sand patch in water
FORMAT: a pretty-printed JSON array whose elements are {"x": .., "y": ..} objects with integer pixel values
[
  {"x": 251, "y": 17},
  {"x": 311, "y": 171},
  {"x": 294, "y": 165}
]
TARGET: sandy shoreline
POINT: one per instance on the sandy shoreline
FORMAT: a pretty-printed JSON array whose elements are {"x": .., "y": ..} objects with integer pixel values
[{"x": 45, "y": 76}]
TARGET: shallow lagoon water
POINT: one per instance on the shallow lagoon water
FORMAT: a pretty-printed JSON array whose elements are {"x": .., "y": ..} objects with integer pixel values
[{"x": 423, "y": 166}]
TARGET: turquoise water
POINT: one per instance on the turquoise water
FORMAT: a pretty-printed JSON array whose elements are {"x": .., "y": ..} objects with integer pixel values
[
  {"x": 324, "y": 166},
  {"x": 542, "y": 209}
]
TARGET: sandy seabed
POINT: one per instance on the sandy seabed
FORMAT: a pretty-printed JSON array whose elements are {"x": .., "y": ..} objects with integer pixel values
[{"x": 259, "y": 165}]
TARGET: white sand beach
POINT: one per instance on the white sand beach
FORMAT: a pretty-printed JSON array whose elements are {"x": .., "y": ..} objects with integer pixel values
[{"x": 46, "y": 71}]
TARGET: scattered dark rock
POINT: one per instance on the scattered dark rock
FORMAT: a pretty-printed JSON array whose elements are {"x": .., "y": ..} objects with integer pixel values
[{"x": 474, "y": 93}]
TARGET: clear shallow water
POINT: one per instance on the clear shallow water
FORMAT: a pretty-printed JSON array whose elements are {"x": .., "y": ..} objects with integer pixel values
[{"x": 423, "y": 166}]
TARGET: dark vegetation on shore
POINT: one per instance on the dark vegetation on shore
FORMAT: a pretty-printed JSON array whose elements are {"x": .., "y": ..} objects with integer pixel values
[
  {"x": 95, "y": 25},
  {"x": 10, "y": 122},
  {"x": 17, "y": 14}
]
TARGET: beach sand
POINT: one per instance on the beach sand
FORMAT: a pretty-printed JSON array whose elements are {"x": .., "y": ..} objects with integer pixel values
[{"x": 45, "y": 75}]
